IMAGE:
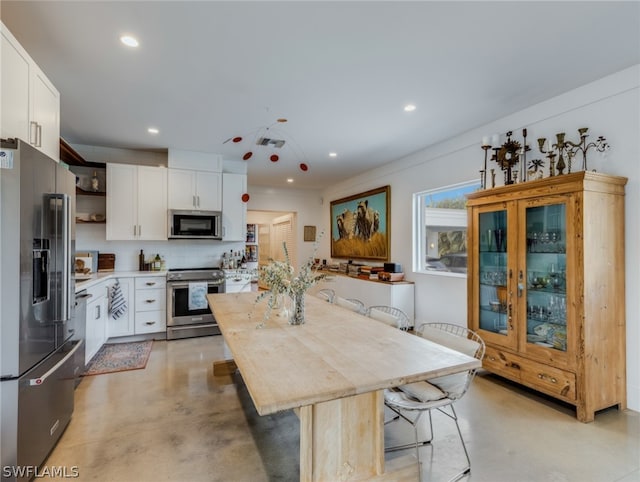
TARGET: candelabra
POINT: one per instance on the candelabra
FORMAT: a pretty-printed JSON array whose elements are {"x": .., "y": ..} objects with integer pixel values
[
  {"x": 600, "y": 145},
  {"x": 549, "y": 153}
]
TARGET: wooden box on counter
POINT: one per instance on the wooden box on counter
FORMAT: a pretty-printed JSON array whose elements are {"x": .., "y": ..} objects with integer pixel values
[{"x": 106, "y": 262}]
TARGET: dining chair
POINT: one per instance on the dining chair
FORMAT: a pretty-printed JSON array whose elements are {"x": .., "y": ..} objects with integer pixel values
[
  {"x": 438, "y": 393},
  {"x": 326, "y": 294},
  {"x": 351, "y": 304},
  {"x": 390, "y": 315}
]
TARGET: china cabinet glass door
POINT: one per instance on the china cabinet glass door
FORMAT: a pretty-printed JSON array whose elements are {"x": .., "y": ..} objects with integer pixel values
[
  {"x": 546, "y": 276},
  {"x": 494, "y": 307}
]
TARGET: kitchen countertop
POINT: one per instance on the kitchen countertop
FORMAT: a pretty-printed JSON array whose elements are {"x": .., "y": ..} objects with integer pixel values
[{"x": 104, "y": 276}]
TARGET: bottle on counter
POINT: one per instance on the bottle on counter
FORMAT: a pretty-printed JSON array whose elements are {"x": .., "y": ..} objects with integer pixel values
[
  {"x": 141, "y": 261},
  {"x": 157, "y": 262}
]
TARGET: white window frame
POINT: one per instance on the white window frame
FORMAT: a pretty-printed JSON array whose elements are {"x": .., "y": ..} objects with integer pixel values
[{"x": 436, "y": 217}]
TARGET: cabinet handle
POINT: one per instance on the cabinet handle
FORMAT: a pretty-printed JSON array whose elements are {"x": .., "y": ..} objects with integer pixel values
[
  {"x": 150, "y": 301},
  {"x": 33, "y": 135},
  {"x": 198, "y": 199},
  {"x": 134, "y": 229},
  {"x": 38, "y": 135},
  {"x": 97, "y": 312},
  {"x": 151, "y": 283},
  {"x": 543, "y": 376},
  {"x": 520, "y": 284},
  {"x": 149, "y": 323},
  {"x": 193, "y": 201}
]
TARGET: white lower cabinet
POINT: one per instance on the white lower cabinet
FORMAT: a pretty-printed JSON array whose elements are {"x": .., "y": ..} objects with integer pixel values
[
  {"x": 96, "y": 322},
  {"x": 237, "y": 281},
  {"x": 124, "y": 324},
  {"x": 151, "y": 305},
  {"x": 399, "y": 294}
]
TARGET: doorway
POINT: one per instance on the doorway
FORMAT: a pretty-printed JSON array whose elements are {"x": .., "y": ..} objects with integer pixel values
[{"x": 273, "y": 229}]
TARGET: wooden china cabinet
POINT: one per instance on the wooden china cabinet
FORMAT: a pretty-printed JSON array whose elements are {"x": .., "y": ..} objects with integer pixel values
[{"x": 546, "y": 286}]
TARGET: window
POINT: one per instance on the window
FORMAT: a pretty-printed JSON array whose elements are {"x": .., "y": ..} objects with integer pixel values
[{"x": 440, "y": 229}]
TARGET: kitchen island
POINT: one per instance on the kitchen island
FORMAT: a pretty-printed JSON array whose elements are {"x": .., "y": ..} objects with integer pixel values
[{"x": 333, "y": 371}]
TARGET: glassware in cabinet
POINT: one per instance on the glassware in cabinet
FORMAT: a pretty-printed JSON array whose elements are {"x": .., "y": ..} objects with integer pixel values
[
  {"x": 492, "y": 266},
  {"x": 546, "y": 282}
]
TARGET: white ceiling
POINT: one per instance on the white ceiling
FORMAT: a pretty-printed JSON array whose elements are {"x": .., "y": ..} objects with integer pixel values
[{"x": 340, "y": 72}]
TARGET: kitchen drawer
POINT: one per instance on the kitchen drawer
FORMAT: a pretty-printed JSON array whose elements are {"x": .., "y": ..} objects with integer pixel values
[
  {"x": 553, "y": 381},
  {"x": 96, "y": 291},
  {"x": 151, "y": 321},
  {"x": 151, "y": 299},
  {"x": 150, "y": 282}
]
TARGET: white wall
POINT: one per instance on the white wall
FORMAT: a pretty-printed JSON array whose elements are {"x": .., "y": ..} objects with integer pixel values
[{"x": 609, "y": 107}]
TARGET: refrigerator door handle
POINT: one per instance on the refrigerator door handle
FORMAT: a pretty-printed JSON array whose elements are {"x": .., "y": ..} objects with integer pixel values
[
  {"x": 67, "y": 300},
  {"x": 43, "y": 378},
  {"x": 61, "y": 209}
]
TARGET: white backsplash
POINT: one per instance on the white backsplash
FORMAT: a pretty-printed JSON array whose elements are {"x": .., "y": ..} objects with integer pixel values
[{"x": 183, "y": 253}]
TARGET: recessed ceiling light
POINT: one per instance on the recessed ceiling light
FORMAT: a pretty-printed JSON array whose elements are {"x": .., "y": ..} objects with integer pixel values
[
  {"x": 409, "y": 108},
  {"x": 289, "y": 180},
  {"x": 129, "y": 41},
  {"x": 152, "y": 130},
  {"x": 333, "y": 154}
]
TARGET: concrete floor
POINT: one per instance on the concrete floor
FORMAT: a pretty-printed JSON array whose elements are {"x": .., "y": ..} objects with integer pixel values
[{"x": 175, "y": 421}]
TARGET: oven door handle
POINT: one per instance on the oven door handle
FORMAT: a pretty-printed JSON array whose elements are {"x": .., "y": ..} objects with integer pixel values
[
  {"x": 173, "y": 285},
  {"x": 191, "y": 327}
]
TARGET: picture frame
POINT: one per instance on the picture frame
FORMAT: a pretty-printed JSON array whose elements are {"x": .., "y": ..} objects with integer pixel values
[
  {"x": 310, "y": 233},
  {"x": 361, "y": 225}
]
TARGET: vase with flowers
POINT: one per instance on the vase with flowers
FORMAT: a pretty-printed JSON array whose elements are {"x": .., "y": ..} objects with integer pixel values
[{"x": 281, "y": 278}]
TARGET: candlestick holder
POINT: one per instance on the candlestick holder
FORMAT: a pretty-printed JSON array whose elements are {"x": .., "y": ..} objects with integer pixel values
[
  {"x": 483, "y": 177},
  {"x": 549, "y": 154},
  {"x": 600, "y": 144},
  {"x": 560, "y": 146},
  {"x": 523, "y": 164}
]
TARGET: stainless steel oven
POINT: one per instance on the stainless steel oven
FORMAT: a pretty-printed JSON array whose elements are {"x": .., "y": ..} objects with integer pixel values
[{"x": 186, "y": 319}]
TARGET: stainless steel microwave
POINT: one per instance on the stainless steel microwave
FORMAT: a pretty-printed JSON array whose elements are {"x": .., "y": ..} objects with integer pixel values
[{"x": 187, "y": 224}]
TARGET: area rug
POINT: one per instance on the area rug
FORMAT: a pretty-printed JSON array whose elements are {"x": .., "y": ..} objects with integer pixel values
[{"x": 119, "y": 357}]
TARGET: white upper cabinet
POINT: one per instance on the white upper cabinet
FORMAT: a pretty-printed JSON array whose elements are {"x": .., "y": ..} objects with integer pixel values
[
  {"x": 200, "y": 190},
  {"x": 136, "y": 202},
  {"x": 15, "y": 88},
  {"x": 30, "y": 107},
  {"x": 45, "y": 115},
  {"x": 234, "y": 210}
]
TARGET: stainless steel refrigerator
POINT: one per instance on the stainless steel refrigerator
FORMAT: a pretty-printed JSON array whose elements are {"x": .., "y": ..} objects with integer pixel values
[{"x": 37, "y": 346}]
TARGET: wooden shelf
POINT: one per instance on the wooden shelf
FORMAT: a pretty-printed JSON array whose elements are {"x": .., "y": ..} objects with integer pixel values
[
  {"x": 80, "y": 221},
  {"x": 82, "y": 192},
  {"x": 69, "y": 155}
]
